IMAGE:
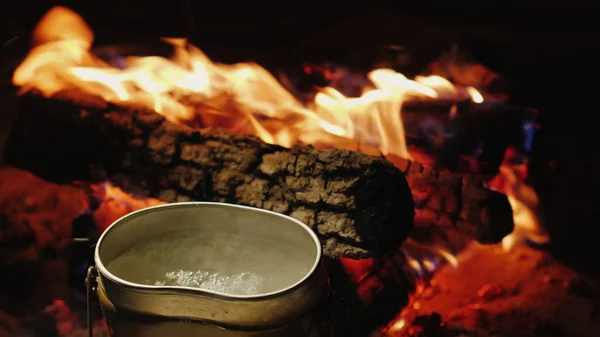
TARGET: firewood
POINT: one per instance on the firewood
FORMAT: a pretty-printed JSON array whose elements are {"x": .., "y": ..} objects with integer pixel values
[
  {"x": 454, "y": 209},
  {"x": 359, "y": 205}
]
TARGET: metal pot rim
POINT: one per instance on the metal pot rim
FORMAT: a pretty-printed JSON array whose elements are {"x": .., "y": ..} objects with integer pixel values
[{"x": 103, "y": 271}]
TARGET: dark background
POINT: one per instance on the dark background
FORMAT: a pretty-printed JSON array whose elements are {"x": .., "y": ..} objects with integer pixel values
[{"x": 548, "y": 50}]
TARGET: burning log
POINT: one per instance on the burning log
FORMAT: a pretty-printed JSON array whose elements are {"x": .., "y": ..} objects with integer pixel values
[
  {"x": 462, "y": 129},
  {"x": 464, "y": 136},
  {"x": 358, "y": 204},
  {"x": 455, "y": 208}
]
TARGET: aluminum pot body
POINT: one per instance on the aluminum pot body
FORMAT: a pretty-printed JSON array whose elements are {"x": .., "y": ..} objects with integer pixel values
[
  {"x": 126, "y": 324},
  {"x": 134, "y": 309}
]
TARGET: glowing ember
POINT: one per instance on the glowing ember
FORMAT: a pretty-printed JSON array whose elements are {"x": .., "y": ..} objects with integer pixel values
[{"x": 189, "y": 88}]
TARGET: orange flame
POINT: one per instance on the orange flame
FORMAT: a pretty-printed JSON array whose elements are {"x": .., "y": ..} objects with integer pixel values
[
  {"x": 512, "y": 181},
  {"x": 62, "y": 59},
  {"x": 191, "y": 89}
]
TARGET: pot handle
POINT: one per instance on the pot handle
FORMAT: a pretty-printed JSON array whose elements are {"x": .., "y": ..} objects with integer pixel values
[{"x": 90, "y": 286}]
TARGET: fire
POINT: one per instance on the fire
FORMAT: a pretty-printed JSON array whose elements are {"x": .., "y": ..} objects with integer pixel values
[
  {"x": 245, "y": 92},
  {"x": 511, "y": 180},
  {"x": 189, "y": 88}
]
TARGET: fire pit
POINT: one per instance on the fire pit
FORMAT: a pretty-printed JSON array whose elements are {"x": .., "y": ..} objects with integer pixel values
[{"x": 397, "y": 177}]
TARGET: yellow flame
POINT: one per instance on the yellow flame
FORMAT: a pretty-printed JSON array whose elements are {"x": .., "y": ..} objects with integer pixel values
[
  {"x": 475, "y": 95},
  {"x": 450, "y": 258},
  {"x": 398, "y": 325},
  {"x": 62, "y": 59},
  {"x": 414, "y": 264},
  {"x": 526, "y": 214}
]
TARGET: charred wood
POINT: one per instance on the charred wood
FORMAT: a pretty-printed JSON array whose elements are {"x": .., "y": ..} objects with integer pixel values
[
  {"x": 466, "y": 137},
  {"x": 363, "y": 302},
  {"x": 358, "y": 204},
  {"x": 453, "y": 209}
]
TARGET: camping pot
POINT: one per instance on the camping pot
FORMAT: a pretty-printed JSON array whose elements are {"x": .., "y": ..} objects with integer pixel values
[{"x": 279, "y": 293}]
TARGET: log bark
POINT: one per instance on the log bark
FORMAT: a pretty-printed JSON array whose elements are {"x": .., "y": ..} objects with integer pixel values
[{"x": 359, "y": 205}]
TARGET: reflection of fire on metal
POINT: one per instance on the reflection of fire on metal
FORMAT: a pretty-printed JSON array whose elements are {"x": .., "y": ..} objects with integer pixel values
[{"x": 114, "y": 203}]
